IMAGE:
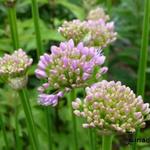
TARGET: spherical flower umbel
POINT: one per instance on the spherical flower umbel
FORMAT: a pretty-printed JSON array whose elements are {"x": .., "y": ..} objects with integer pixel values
[
  {"x": 14, "y": 65},
  {"x": 97, "y": 13},
  {"x": 95, "y": 33},
  {"x": 74, "y": 29},
  {"x": 100, "y": 34},
  {"x": 111, "y": 106},
  {"x": 13, "y": 68},
  {"x": 67, "y": 67}
]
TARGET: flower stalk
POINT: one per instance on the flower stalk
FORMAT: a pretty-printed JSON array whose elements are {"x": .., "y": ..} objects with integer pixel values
[
  {"x": 35, "y": 15},
  {"x": 109, "y": 5},
  {"x": 143, "y": 58},
  {"x": 107, "y": 142},
  {"x": 107, "y": 50},
  {"x": 144, "y": 50},
  {"x": 29, "y": 118},
  {"x": 49, "y": 127},
  {"x": 92, "y": 136},
  {"x": 70, "y": 99},
  {"x": 18, "y": 142},
  {"x": 13, "y": 23}
]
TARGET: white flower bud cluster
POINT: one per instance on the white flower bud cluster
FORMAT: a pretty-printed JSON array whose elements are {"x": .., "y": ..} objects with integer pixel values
[
  {"x": 73, "y": 30},
  {"x": 111, "y": 106},
  {"x": 13, "y": 69},
  {"x": 93, "y": 33},
  {"x": 98, "y": 13},
  {"x": 15, "y": 64}
]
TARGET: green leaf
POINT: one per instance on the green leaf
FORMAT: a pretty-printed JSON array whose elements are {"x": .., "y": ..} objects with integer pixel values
[{"x": 76, "y": 10}]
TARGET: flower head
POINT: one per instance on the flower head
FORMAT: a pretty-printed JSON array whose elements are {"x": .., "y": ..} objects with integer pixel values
[
  {"x": 73, "y": 30},
  {"x": 111, "y": 106},
  {"x": 14, "y": 65},
  {"x": 68, "y": 67},
  {"x": 95, "y": 33},
  {"x": 13, "y": 68},
  {"x": 100, "y": 34},
  {"x": 98, "y": 13}
]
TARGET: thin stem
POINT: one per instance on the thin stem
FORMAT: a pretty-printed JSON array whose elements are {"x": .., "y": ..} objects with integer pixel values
[
  {"x": 92, "y": 136},
  {"x": 71, "y": 98},
  {"x": 134, "y": 144},
  {"x": 91, "y": 139},
  {"x": 107, "y": 142},
  {"x": 49, "y": 128},
  {"x": 143, "y": 58},
  {"x": 35, "y": 15},
  {"x": 18, "y": 142},
  {"x": 109, "y": 5},
  {"x": 4, "y": 133},
  {"x": 144, "y": 50},
  {"x": 29, "y": 118},
  {"x": 106, "y": 53},
  {"x": 13, "y": 26},
  {"x": 107, "y": 49}
]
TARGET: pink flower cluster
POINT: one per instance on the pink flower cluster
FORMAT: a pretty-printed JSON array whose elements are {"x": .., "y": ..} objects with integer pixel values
[
  {"x": 13, "y": 69},
  {"x": 111, "y": 106},
  {"x": 68, "y": 66},
  {"x": 15, "y": 64},
  {"x": 95, "y": 31}
]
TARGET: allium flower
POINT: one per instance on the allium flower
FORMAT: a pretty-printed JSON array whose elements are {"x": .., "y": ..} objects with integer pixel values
[
  {"x": 100, "y": 33},
  {"x": 67, "y": 67},
  {"x": 93, "y": 33},
  {"x": 97, "y": 13},
  {"x": 73, "y": 30},
  {"x": 111, "y": 106},
  {"x": 13, "y": 68}
]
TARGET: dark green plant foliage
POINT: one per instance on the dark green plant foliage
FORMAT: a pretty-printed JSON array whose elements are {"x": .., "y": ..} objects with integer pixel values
[{"x": 123, "y": 65}]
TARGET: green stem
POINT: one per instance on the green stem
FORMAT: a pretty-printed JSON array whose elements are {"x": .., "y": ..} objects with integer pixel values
[
  {"x": 107, "y": 49},
  {"x": 107, "y": 142},
  {"x": 71, "y": 98},
  {"x": 18, "y": 142},
  {"x": 49, "y": 128},
  {"x": 35, "y": 15},
  {"x": 134, "y": 144},
  {"x": 29, "y": 118},
  {"x": 92, "y": 136},
  {"x": 144, "y": 50},
  {"x": 109, "y": 6},
  {"x": 13, "y": 26},
  {"x": 4, "y": 133},
  {"x": 143, "y": 59},
  {"x": 106, "y": 53}
]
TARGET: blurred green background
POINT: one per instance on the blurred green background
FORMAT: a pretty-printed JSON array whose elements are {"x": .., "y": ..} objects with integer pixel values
[{"x": 123, "y": 65}]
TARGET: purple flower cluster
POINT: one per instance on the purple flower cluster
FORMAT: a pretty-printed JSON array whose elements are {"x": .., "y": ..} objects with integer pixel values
[{"x": 68, "y": 66}]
